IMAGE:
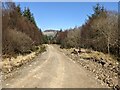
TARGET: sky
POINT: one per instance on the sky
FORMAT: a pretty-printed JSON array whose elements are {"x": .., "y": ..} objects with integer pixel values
[{"x": 63, "y": 15}]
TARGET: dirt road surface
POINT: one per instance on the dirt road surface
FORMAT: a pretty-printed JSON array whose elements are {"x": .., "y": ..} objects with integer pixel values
[{"x": 52, "y": 69}]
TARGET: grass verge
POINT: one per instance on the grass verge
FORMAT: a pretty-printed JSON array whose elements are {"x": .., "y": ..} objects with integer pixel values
[{"x": 10, "y": 64}]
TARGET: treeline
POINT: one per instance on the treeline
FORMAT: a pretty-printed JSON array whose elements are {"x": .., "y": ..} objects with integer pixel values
[
  {"x": 69, "y": 38},
  {"x": 19, "y": 30},
  {"x": 100, "y": 33}
]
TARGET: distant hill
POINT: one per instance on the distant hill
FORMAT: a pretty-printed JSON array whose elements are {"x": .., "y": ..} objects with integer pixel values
[{"x": 50, "y": 32}]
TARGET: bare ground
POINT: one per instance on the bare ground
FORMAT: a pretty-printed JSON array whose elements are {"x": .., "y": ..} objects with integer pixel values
[
  {"x": 52, "y": 69},
  {"x": 103, "y": 66}
]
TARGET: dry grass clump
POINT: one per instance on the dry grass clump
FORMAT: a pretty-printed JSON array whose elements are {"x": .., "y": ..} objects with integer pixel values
[
  {"x": 9, "y": 64},
  {"x": 98, "y": 56}
]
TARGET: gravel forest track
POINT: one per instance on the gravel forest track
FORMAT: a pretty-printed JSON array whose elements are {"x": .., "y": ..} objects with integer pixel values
[{"x": 52, "y": 69}]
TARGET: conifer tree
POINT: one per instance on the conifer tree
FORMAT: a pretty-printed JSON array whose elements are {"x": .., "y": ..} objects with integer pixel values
[
  {"x": 18, "y": 9},
  {"x": 27, "y": 13}
]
